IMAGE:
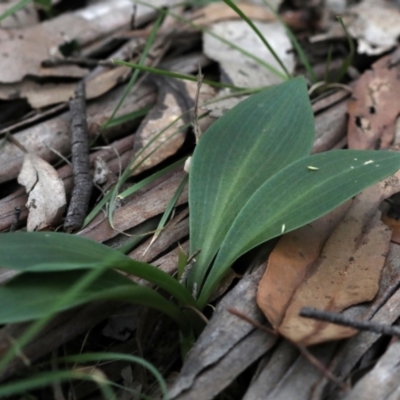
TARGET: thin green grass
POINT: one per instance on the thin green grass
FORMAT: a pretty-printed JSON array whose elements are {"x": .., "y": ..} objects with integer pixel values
[
  {"x": 299, "y": 50},
  {"x": 142, "y": 60},
  {"x": 133, "y": 189},
  {"x": 45, "y": 379},
  {"x": 171, "y": 74},
  {"x": 13, "y": 9},
  {"x": 349, "y": 59},
  {"x": 48, "y": 378},
  {"x": 62, "y": 301},
  {"x": 169, "y": 209},
  {"x": 244, "y": 52},
  {"x": 115, "y": 121},
  {"x": 134, "y": 164},
  {"x": 249, "y": 22}
]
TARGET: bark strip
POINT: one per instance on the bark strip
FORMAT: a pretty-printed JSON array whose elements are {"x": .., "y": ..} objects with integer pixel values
[{"x": 83, "y": 182}]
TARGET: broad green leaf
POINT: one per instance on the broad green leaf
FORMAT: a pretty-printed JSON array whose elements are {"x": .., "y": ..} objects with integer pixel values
[
  {"x": 297, "y": 195},
  {"x": 50, "y": 252},
  {"x": 30, "y": 296},
  {"x": 236, "y": 155}
]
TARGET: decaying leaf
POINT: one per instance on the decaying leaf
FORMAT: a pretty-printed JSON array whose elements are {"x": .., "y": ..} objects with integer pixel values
[
  {"x": 375, "y": 25},
  {"x": 161, "y": 131},
  {"x": 41, "y": 95},
  {"x": 46, "y": 201},
  {"x": 23, "y": 50},
  {"x": 375, "y": 106},
  {"x": 331, "y": 264},
  {"x": 236, "y": 67}
]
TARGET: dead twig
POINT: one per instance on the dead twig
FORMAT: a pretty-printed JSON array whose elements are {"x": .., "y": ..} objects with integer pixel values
[
  {"x": 339, "y": 319},
  {"x": 195, "y": 123},
  {"x": 83, "y": 182},
  {"x": 83, "y": 61}
]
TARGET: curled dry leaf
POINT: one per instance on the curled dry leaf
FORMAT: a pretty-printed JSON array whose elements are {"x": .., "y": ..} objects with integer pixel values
[
  {"x": 331, "y": 264},
  {"x": 375, "y": 106},
  {"x": 46, "y": 201},
  {"x": 161, "y": 131}
]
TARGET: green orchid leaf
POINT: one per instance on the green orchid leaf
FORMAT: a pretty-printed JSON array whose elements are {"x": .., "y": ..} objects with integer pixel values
[
  {"x": 30, "y": 296},
  {"x": 297, "y": 195},
  {"x": 52, "y": 251},
  {"x": 236, "y": 155},
  {"x": 57, "y": 252}
]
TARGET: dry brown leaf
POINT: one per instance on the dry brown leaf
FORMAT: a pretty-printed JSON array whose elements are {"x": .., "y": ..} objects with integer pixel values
[
  {"x": 46, "y": 201},
  {"x": 327, "y": 268},
  {"x": 174, "y": 99},
  {"x": 375, "y": 107}
]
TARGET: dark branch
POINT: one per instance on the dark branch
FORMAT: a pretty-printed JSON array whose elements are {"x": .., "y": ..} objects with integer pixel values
[
  {"x": 339, "y": 319},
  {"x": 83, "y": 182}
]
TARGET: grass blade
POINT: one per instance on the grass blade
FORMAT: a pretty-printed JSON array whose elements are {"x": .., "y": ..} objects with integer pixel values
[
  {"x": 249, "y": 22},
  {"x": 142, "y": 60},
  {"x": 171, "y": 74},
  {"x": 299, "y": 50}
]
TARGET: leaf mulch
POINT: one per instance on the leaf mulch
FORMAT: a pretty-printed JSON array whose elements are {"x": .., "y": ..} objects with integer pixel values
[{"x": 347, "y": 261}]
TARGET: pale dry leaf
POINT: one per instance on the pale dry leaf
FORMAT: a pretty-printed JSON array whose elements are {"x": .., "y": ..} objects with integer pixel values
[
  {"x": 375, "y": 25},
  {"x": 218, "y": 12},
  {"x": 344, "y": 273},
  {"x": 46, "y": 201},
  {"x": 41, "y": 95},
  {"x": 22, "y": 51},
  {"x": 223, "y": 102},
  {"x": 375, "y": 106},
  {"x": 241, "y": 70}
]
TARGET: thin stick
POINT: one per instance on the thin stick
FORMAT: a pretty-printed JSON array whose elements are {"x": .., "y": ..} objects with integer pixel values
[
  {"x": 83, "y": 182},
  {"x": 339, "y": 319},
  {"x": 87, "y": 62},
  {"x": 195, "y": 123},
  {"x": 252, "y": 322}
]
